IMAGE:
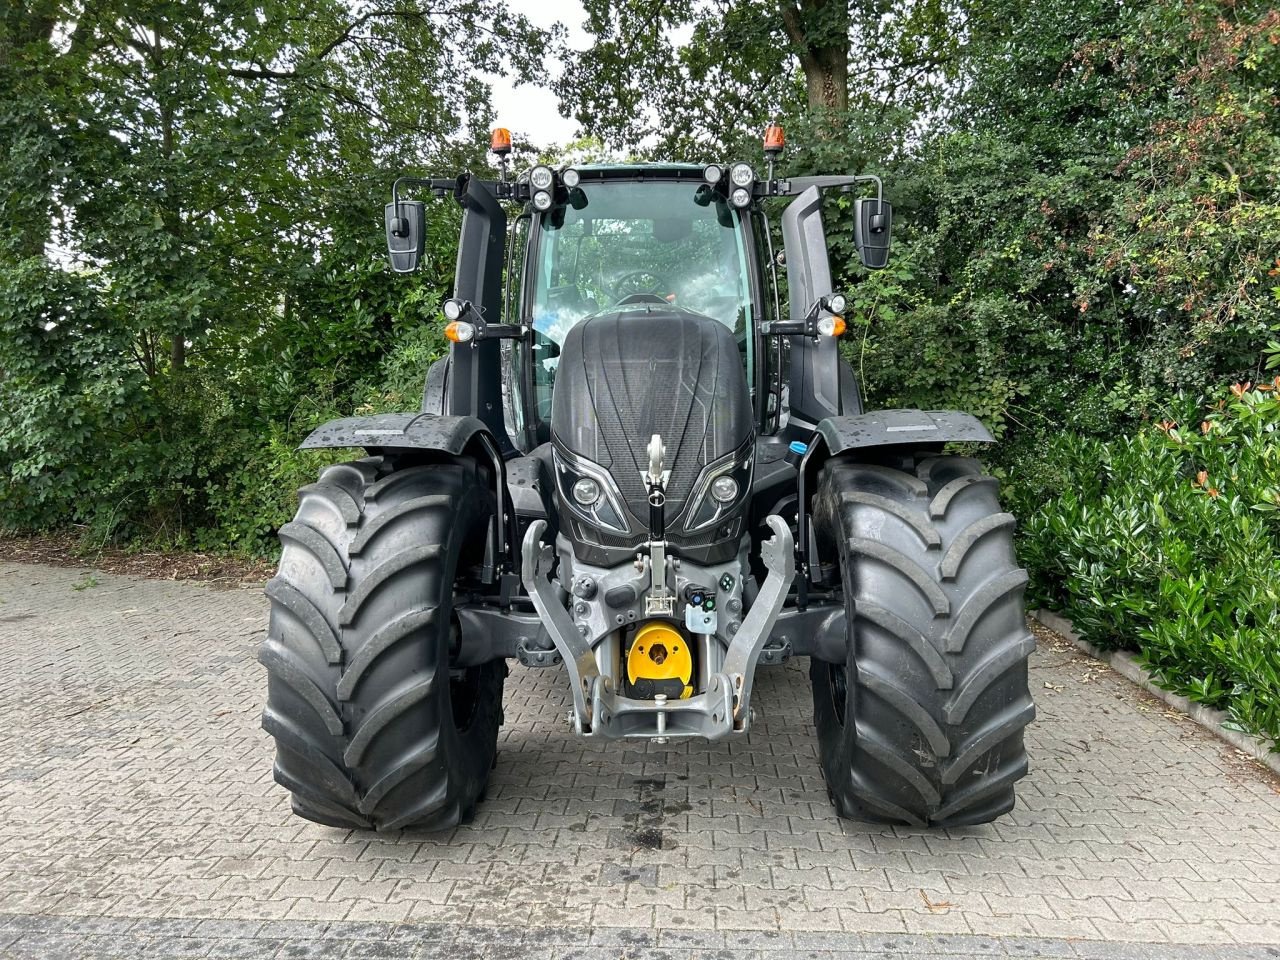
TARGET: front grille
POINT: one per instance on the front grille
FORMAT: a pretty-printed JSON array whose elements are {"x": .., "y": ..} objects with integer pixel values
[
  {"x": 589, "y": 534},
  {"x": 607, "y": 540}
]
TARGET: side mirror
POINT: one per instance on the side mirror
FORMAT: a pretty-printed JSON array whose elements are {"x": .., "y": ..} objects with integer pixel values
[
  {"x": 406, "y": 234},
  {"x": 873, "y": 226}
]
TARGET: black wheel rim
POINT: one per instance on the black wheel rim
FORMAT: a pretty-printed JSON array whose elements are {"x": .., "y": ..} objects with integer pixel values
[
  {"x": 464, "y": 682},
  {"x": 464, "y": 697},
  {"x": 838, "y": 684}
]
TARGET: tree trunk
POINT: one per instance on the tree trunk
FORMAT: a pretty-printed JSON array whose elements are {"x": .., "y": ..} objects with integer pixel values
[
  {"x": 827, "y": 80},
  {"x": 819, "y": 33}
]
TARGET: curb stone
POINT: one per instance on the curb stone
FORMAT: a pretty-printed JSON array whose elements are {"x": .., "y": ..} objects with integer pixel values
[
  {"x": 47, "y": 937},
  {"x": 1126, "y": 664}
]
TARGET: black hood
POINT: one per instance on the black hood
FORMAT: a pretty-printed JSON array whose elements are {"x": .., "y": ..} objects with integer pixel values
[{"x": 626, "y": 375}]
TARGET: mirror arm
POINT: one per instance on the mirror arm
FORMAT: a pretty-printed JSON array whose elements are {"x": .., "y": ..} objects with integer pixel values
[
  {"x": 443, "y": 186},
  {"x": 797, "y": 185},
  {"x": 437, "y": 186},
  {"x": 398, "y": 226},
  {"x": 808, "y": 327},
  {"x": 872, "y": 178},
  {"x": 491, "y": 331}
]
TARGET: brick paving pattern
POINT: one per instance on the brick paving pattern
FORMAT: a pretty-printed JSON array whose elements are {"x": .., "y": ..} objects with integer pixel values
[{"x": 140, "y": 819}]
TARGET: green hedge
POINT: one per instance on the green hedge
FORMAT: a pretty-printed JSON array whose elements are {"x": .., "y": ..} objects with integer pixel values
[
  {"x": 205, "y": 457},
  {"x": 1167, "y": 541}
]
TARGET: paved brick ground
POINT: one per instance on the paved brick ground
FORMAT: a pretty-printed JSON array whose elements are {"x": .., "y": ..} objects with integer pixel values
[{"x": 140, "y": 819}]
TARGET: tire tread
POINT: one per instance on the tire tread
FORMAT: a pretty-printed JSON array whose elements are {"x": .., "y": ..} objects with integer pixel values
[
  {"x": 359, "y": 694},
  {"x": 931, "y": 731}
]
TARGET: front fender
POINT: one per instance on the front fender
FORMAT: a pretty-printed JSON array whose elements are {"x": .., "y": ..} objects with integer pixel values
[
  {"x": 865, "y": 431},
  {"x": 884, "y": 428},
  {"x": 413, "y": 431}
]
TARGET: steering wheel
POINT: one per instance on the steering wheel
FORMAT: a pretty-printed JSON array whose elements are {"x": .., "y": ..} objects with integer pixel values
[
  {"x": 642, "y": 298},
  {"x": 639, "y": 281}
]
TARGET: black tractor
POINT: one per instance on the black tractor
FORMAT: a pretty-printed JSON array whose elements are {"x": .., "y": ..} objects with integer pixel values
[{"x": 644, "y": 462}]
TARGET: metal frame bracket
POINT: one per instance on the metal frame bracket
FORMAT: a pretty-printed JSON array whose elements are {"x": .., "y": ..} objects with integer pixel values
[{"x": 724, "y": 708}]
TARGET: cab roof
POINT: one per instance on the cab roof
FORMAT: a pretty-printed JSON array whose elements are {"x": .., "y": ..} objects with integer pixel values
[{"x": 627, "y": 171}]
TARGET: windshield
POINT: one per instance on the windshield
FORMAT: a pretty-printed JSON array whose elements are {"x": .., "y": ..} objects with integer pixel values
[
  {"x": 657, "y": 240},
  {"x": 632, "y": 238}
]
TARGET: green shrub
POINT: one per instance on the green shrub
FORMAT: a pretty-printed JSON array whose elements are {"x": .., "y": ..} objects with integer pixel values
[
  {"x": 1168, "y": 541},
  {"x": 205, "y": 456},
  {"x": 246, "y": 485}
]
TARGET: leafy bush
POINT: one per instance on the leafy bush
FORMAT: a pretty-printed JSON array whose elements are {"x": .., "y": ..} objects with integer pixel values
[
  {"x": 192, "y": 267},
  {"x": 206, "y": 457},
  {"x": 1093, "y": 230},
  {"x": 1169, "y": 539}
]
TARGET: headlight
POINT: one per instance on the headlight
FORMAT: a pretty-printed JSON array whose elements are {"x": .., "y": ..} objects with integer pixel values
[
  {"x": 742, "y": 175},
  {"x": 724, "y": 489},
  {"x": 453, "y": 309},
  {"x": 712, "y": 173},
  {"x": 741, "y": 197},
  {"x": 589, "y": 493},
  {"x": 542, "y": 201},
  {"x": 586, "y": 491},
  {"x": 836, "y": 303},
  {"x": 570, "y": 178},
  {"x": 541, "y": 178},
  {"x": 719, "y": 489}
]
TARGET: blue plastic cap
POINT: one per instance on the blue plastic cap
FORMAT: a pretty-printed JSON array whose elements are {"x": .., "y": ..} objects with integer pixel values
[{"x": 799, "y": 446}]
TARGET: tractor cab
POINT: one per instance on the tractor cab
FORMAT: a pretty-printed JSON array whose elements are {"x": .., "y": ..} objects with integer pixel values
[{"x": 638, "y": 239}]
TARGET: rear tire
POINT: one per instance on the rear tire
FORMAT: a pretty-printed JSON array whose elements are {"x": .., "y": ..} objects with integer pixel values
[
  {"x": 923, "y": 723},
  {"x": 372, "y": 728}
]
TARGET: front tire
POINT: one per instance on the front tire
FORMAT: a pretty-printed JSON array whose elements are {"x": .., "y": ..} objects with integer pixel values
[
  {"x": 372, "y": 728},
  {"x": 923, "y": 723}
]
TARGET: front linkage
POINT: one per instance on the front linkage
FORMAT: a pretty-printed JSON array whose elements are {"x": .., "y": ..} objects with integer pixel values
[{"x": 723, "y": 708}]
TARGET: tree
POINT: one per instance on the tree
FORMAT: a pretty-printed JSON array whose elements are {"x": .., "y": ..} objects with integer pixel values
[
  {"x": 747, "y": 62},
  {"x": 1095, "y": 226},
  {"x": 214, "y": 175}
]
